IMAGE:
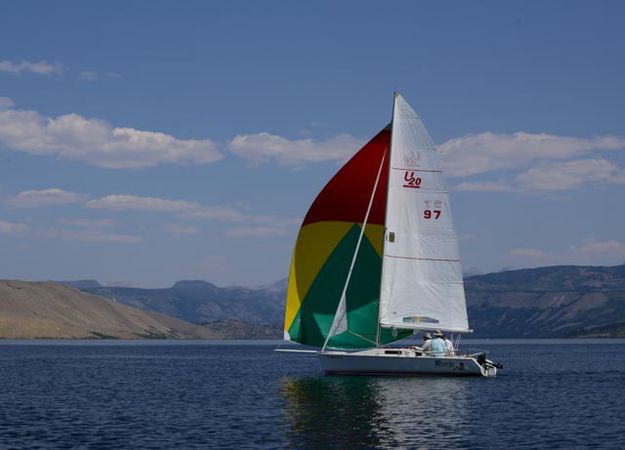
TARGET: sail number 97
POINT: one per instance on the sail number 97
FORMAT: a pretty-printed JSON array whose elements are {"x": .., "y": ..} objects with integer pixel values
[{"x": 429, "y": 213}]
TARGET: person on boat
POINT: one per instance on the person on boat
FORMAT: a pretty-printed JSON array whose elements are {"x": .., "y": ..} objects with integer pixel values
[
  {"x": 425, "y": 347},
  {"x": 437, "y": 346},
  {"x": 427, "y": 341},
  {"x": 449, "y": 346}
]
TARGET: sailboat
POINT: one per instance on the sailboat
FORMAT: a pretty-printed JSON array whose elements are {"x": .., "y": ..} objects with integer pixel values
[{"x": 376, "y": 260}]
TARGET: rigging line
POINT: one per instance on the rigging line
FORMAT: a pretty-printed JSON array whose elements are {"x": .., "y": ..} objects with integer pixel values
[
  {"x": 343, "y": 298},
  {"x": 418, "y": 258},
  {"x": 361, "y": 336}
]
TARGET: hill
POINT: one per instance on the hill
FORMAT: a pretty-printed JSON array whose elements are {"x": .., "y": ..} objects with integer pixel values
[
  {"x": 235, "y": 329},
  {"x": 557, "y": 301},
  {"x": 203, "y": 302},
  {"x": 51, "y": 310},
  {"x": 81, "y": 284}
]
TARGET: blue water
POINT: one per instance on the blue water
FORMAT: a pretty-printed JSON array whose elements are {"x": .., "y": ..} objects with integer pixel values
[{"x": 153, "y": 395}]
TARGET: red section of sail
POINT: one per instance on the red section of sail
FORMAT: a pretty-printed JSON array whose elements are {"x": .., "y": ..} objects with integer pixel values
[{"x": 346, "y": 197}]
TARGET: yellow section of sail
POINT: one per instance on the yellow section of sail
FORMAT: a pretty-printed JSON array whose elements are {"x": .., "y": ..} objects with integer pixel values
[
  {"x": 293, "y": 300},
  {"x": 315, "y": 243},
  {"x": 375, "y": 234}
]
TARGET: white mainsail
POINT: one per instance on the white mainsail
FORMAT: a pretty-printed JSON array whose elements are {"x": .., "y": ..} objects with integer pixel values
[{"x": 422, "y": 285}]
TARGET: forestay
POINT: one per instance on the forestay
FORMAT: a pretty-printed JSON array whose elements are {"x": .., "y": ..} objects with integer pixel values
[{"x": 421, "y": 285}]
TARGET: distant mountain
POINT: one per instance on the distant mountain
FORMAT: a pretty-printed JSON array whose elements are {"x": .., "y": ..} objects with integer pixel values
[
  {"x": 557, "y": 301},
  {"x": 615, "y": 330},
  {"x": 279, "y": 287},
  {"x": 553, "y": 278},
  {"x": 235, "y": 329},
  {"x": 472, "y": 271},
  {"x": 51, "y": 310},
  {"x": 201, "y": 302},
  {"x": 81, "y": 284}
]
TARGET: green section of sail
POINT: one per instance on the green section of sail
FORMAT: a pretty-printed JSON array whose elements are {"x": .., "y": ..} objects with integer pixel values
[{"x": 314, "y": 319}]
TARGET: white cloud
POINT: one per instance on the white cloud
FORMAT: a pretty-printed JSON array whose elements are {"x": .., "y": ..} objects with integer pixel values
[
  {"x": 532, "y": 253},
  {"x": 570, "y": 175},
  {"x": 97, "y": 143},
  {"x": 488, "y": 152},
  {"x": 87, "y": 223},
  {"x": 13, "y": 228},
  {"x": 257, "y": 232},
  {"x": 6, "y": 103},
  {"x": 83, "y": 233},
  {"x": 462, "y": 157},
  {"x": 125, "y": 202},
  {"x": 137, "y": 203},
  {"x": 90, "y": 236},
  {"x": 263, "y": 147},
  {"x": 40, "y": 67},
  {"x": 595, "y": 247},
  {"x": 486, "y": 186},
  {"x": 590, "y": 252},
  {"x": 45, "y": 197},
  {"x": 88, "y": 75},
  {"x": 554, "y": 176},
  {"x": 182, "y": 208},
  {"x": 86, "y": 231},
  {"x": 91, "y": 75},
  {"x": 180, "y": 230}
]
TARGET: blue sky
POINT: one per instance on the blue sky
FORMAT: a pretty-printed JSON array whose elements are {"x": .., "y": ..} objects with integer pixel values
[{"x": 146, "y": 142}]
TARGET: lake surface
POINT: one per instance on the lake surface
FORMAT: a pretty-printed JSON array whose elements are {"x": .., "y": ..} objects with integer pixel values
[{"x": 164, "y": 395}]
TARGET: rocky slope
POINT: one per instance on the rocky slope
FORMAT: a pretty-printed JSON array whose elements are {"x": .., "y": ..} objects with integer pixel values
[
  {"x": 558, "y": 301},
  {"x": 50, "y": 310},
  {"x": 202, "y": 302},
  {"x": 235, "y": 329}
]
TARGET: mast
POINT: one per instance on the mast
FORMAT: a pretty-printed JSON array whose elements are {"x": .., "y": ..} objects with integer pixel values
[{"x": 388, "y": 180}]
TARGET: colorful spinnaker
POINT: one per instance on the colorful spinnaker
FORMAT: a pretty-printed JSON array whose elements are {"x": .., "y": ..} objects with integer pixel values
[{"x": 368, "y": 237}]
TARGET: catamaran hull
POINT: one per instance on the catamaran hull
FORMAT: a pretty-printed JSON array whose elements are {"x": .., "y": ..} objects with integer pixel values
[{"x": 402, "y": 363}]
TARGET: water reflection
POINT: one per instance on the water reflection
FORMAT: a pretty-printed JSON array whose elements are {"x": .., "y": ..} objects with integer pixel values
[{"x": 380, "y": 412}]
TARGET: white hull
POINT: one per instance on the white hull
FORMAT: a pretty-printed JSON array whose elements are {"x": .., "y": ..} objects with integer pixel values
[{"x": 402, "y": 361}]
